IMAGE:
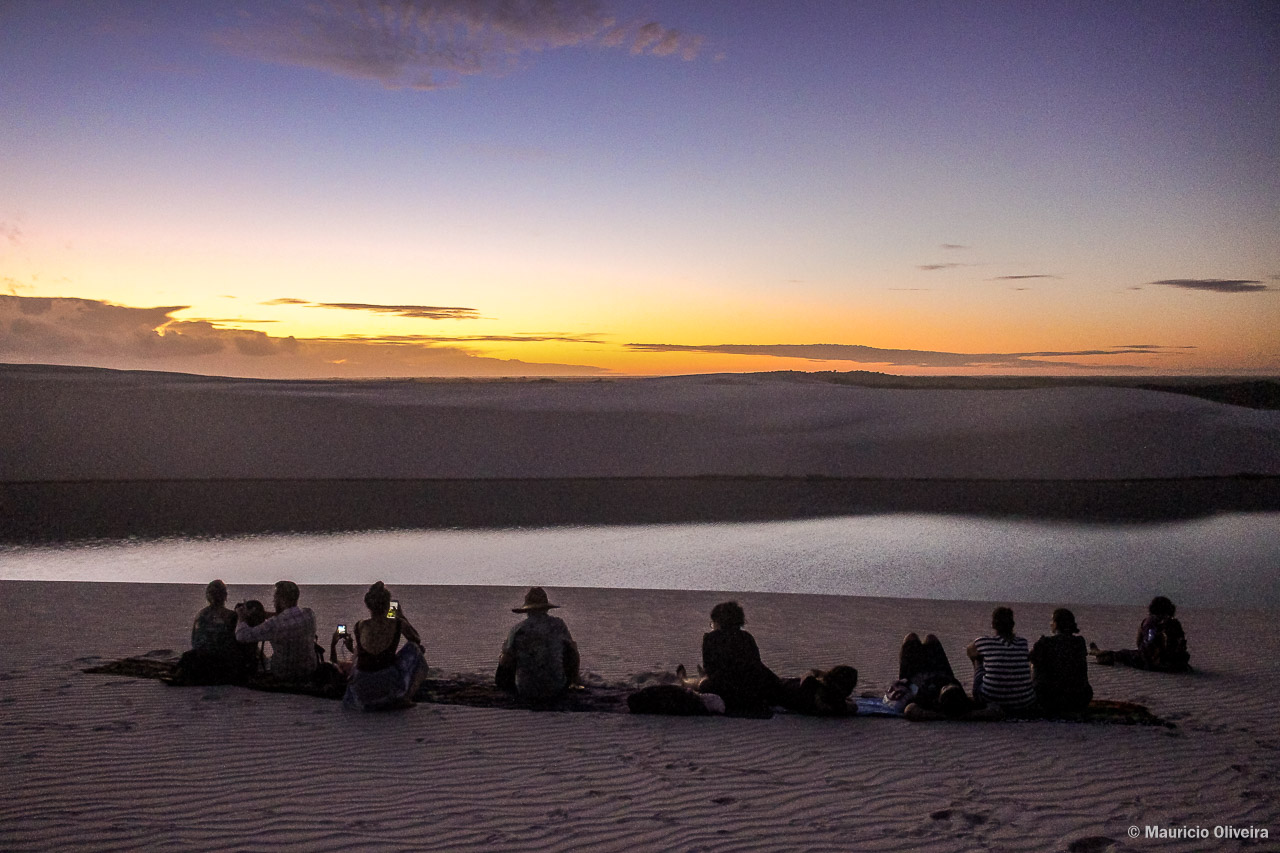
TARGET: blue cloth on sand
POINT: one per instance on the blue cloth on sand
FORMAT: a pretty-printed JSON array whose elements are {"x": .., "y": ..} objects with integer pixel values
[{"x": 377, "y": 690}]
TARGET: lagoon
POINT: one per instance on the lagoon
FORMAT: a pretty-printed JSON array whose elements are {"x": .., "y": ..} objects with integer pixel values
[{"x": 1227, "y": 560}]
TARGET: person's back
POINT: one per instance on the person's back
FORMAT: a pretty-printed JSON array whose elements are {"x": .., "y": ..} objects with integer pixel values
[
  {"x": 291, "y": 632},
  {"x": 1061, "y": 673},
  {"x": 214, "y": 631},
  {"x": 538, "y": 644},
  {"x": 731, "y": 660},
  {"x": 731, "y": 655},
  {"x": 539, "y": 655},
  {"x": 1003, "y": 673},
  {"x": 383, "y": 675},
  {"x": 215, "y": 656},
  {"x": 1060, "y": 667}
]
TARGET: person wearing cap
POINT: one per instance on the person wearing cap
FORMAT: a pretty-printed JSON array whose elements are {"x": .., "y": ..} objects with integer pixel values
[
  {"x": 291, "y": 632},
  {"x": 539, "y": 658}
]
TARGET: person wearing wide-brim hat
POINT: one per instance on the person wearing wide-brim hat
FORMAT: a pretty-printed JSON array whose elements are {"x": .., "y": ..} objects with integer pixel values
[
  {"x": 539, "y": 659},
  {"x": 534, "y": 599}
]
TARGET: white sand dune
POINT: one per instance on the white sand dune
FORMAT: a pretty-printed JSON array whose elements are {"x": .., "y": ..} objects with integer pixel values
[
  {"x": 70, "y": 424},
  {"x": 107, "y": 763}
]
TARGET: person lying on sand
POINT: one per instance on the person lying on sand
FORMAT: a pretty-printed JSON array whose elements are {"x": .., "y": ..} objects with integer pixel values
[
  {"x": 1162, "y": 645},
  {"x": 1060, "y": 667},
  {"x": 927, "y": 688},
  {"x": 291, "y": 632},
  {"x": 215, "y": 656},
  {"x": 1002, "y": 672},
  {"x": 380, "y": 677},
  {"x": 821, "y": 693},
  {"x": 732, "y": 662},
  {"x": 539, "y": 659}
]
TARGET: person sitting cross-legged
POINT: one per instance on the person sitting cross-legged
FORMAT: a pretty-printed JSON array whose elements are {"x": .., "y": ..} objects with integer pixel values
[
  {"x": 1060, "y": 667},
  {"x": 1002, "y": 671},
  {"x": 539, "y": 660},
  {"x": 215, "y": 656},
  {"x": 382, "y": 677}
]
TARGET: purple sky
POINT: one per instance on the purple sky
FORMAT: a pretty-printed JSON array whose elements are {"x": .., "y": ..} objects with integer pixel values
[{"x": 642, "y": 187}]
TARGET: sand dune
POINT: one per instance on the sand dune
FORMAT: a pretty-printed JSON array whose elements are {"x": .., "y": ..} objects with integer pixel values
[
  {"x": 105, "y": 763},
  {"x": 69, "y": 424}
]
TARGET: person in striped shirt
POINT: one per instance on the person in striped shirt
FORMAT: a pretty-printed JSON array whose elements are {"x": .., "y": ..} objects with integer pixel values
[{"x": 1002, "y": 671}]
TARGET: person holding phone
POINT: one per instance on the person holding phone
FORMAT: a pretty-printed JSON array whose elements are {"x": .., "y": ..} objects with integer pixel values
[{"x": 381, "y": 676}]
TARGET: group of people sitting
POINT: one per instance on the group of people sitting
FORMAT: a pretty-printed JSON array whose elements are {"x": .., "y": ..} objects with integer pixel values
[
  {"x": 539, "y": 662},
  {"x": 1050, "y": 678}
]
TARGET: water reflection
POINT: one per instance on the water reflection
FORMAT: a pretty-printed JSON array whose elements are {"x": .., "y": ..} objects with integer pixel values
[{"x": 1226, "y": 560}]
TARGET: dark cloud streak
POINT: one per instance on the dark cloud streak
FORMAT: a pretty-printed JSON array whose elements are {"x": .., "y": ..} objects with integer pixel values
[
  {"x": 422, "y": 312},
  {"x": 894, "y": 357},
  {"x": 1216, "y": 285}
]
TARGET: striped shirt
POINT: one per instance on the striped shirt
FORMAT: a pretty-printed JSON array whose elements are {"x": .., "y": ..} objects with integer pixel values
[
  {"x": 1005, "y": 672},
  {"x": 292, "y": 634}
]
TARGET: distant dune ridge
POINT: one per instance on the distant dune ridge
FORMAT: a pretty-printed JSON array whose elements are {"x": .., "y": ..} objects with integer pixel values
[
  {"x": 69, "y": 424},
  {"x": 88, "y": 453}
]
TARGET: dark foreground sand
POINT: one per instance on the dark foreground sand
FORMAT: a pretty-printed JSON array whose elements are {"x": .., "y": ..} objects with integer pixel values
[{"x": 99, "y": 762}]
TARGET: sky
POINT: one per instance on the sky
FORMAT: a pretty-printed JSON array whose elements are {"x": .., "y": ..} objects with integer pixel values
[{"x": 353, "y": 188}]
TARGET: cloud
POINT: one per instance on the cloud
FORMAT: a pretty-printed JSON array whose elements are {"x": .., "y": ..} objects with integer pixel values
[
  {"x": 423, "y": 312},
  {"x": 1023, "y": 277},
  {"x": 898, "y": 357},
  {"x": 432, "y": 44},
  {"x": 10, "y": 233},
  {"x": 66, "y": 330},
  {"x": 1215, "y": 285},
  {"x": 932, "y": 267},
  {"x": 61, "y": 326},
  {"x": 464, "y": 339},
  {"x": 953, "y": 246}
]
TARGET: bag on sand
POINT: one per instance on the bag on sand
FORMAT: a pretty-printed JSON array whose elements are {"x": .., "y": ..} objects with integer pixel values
[{"x": 669, "y": 699}]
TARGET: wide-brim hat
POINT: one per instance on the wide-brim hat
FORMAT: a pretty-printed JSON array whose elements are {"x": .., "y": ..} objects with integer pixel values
[{"x": 534, "y": 599}]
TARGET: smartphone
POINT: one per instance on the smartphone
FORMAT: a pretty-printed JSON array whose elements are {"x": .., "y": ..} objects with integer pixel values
[
  {"x": 395, "y": 609},
  {"x": 342, "y": 630}
]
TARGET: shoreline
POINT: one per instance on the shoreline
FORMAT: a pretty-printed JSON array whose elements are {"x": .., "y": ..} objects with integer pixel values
[{"x": 61, "y": 511}]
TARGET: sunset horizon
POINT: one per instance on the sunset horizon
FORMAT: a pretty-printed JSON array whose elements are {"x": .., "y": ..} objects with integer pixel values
[{"x": 293, "y": 190}]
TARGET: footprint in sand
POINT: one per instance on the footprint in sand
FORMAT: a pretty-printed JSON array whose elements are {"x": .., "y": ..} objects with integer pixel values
[{"x": 971, "y": 818}]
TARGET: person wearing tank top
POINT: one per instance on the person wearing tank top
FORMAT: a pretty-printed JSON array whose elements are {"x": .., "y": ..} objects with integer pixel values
[{"x": 383, "y": 677}]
